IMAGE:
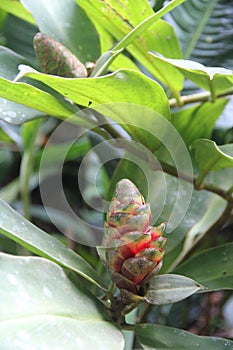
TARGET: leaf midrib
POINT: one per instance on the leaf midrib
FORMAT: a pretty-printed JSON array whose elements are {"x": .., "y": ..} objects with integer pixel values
[{"x": 196, "y": 35}]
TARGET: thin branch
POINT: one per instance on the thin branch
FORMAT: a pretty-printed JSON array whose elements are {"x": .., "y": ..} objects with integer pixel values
[
  {"x": 227, "y": 195},
  {"x": 198, "y": 97},
  {"x": 120, "y": 141},
  {"x": 169, "y": 169}
]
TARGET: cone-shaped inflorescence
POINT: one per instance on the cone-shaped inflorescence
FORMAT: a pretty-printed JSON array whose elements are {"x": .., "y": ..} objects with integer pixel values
[
  {"x": 134, "y": 249},
  {"x": 55, "y": 58}
]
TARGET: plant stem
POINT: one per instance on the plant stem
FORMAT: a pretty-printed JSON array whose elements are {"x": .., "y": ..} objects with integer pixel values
[
  {"x": 29, "y": 135},
  {"x": 25, "y": 172},
  {"x": 171, "y": 170},
  {"x": 227, "y": 195},
  {"x": 198, "y": 97}
]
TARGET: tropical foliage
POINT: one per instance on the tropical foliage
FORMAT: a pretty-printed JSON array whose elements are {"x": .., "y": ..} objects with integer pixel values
[{"x": 111, "y": 90}]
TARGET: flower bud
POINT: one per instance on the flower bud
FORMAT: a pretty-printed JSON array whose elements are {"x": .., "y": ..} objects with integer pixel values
[
  {"x": 55, "y": 58},
  {"x": 134, "y": 249}
]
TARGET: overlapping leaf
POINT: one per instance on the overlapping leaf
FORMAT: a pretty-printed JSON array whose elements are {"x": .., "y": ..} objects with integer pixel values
[
  {"x": 13, "y": 225},
  {"x": 46, "y": 310},
  {"x": 13, "y": 94},
  {"x": 120, "y": 21},
  {"x": 77, "y": 32},
  {"x": 213, "y": 268},
  {"x": 213, "y": 79},
  {"x": 16, "y": 8},
  {"x": 198, "y": 121},
  {"x": 153, "y": 337},
  {"x": 204, "y": 29},
  {"x": 210, "y": 157},
  {"x": 166, "y": 289}
]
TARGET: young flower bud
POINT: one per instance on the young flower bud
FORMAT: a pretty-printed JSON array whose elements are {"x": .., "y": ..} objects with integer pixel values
[
  {"x": 134, "y": 249},
  {"x": 55, "y": 58}
]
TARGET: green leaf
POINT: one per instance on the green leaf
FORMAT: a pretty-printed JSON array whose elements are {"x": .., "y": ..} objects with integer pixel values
[
  {"x": 68, "y": 24},
  {"x": 55, "y": 153},
  {"x": 14, "y": 226},
  {"x": 23, "y": 93},
  {"x": 198, "y": 121},
  {"x": 132, "y": 171},
  {"x": 19, "y": 37},
  {"x": 169, "y": 75},
  {"x": 210, "y": 157},
  {"x": 203, "y": 34},
  {"x": 29, "y": 133},
  {"x": 211, "y": 211},
  {"x": 203, "y": 212},
  {"x": 138, "y": 26},
  {"x": 157, "y": 337},
  {"x": 167, "y": 289},
  {"x": 31, "y": 97},
  {"x": 11, "y": 111},
  {"x": 47, "y": 310},
  {"x": 213, "y": 79},
  {"x": 125, "y": 86},
  {"x": 196, "y": 216},
  {"x": 143, "y": 25},
  {"x": 15, "y": 8},
  {"x": 104, "y": 62},
  {"x": 212, "y": 268},
  {"x": 107, "y": 42},
  {"x": 121, "y": 86}
]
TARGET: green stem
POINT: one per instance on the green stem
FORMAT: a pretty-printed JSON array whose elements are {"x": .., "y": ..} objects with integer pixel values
[
  {"x": 141, "y": 27},
  {"x": 198, "y": 97},
  {"x": 25, "y": 172},
  {"x": 29, "y": 135},
  {"x": 212, "y": 91},
  {"x": 128, "y": 327},
  {"x": 137, "y": 31}
]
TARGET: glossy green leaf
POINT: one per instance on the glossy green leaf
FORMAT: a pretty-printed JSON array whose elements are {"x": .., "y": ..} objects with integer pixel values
[
  {"x": 19, "y": 37},
  {"x": 104, "y": 62},
  {"x": 47, "y": 310},
  {"x": 29, "y": 132},
  {"x": 212, "y": 268},
  {"x": 204, "y": 35},
  {"x": 157, "y": 337},
  {"x": 64, "y": 21},
  {"x": 213, "y": 79},
  {"x": 15, "y": 8},
  {"x": 14, "y": 226},
  {"x": 3, "y": 16},
  {"x": 198, "y": 216},
  {"x": 138, "y": 26},
  {"x": 121, "y": 86},
  {"x": 31, "y": 97},
  {"x": 170, "y": 76},
  {"x": 23, "y": 93},
  {"x": 204, "y": 211},
  {"x": 167, "y": 289},
  {"x": 211, "y": 210},
  {"x": 11, "y": 111},
  {"x": 210, "y": 157},
  {"x": 10, "y": 61},
  {"x": 198, "y": 121},
  {"x": 107, "y": 42},
  {"x": 125, "y": 86}
]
